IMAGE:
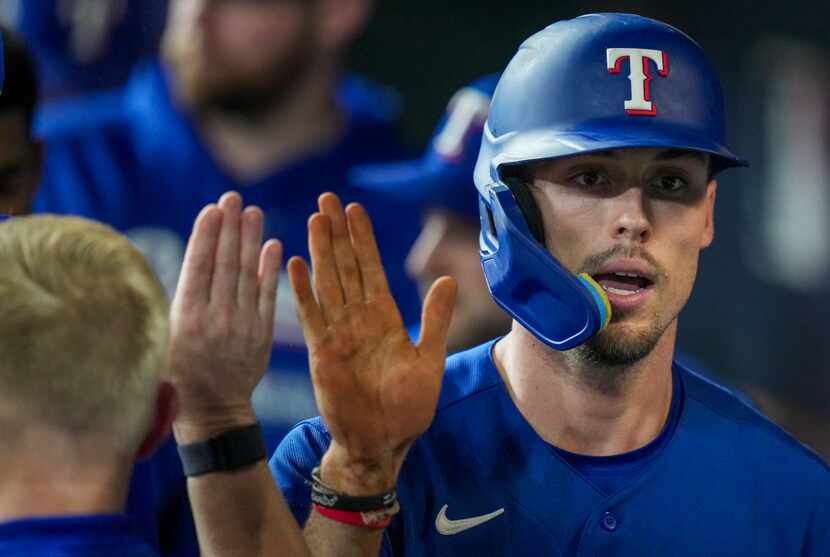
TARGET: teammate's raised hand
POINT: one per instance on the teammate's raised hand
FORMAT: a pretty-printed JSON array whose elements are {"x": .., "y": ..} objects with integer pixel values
[
  {"x": 376, "y": 390},
  {"x": 223, "y": 317}
]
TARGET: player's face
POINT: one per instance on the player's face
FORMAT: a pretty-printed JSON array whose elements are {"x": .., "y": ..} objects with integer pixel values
[
  {"x": 238, "y": 54},
  {"x": 19, "y": 164},
  {"x": 448, "y": 245},
  {"x": 635, "y": 220}
]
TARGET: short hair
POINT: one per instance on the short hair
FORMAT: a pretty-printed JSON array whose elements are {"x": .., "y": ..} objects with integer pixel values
[
  {"x": 83, "y": 331},
  {"x": 20, "y": 86}
]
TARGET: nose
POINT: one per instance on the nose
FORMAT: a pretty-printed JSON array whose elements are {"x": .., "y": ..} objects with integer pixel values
[{"x": 632, "y": 221}]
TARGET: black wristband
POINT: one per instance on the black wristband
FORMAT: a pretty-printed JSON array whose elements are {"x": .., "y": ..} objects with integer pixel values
[
  {"x": 232, "y": 450},
  {"x": 326, "y": 496}
]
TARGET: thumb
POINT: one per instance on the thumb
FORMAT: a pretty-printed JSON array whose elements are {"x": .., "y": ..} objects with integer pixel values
[{"x": 436, "y": 317}]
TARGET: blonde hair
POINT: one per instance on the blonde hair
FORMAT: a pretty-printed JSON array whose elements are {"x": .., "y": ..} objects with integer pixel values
[{"x": 83, "y": 330}]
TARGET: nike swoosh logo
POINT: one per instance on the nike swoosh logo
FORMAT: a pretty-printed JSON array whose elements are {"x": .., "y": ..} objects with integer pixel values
[{"x": 449, "y": 527}]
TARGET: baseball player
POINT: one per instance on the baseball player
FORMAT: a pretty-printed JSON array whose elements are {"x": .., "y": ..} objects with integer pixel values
[
  {"x": 439, "y": 183},
  {"x": 575, "y": 434}
]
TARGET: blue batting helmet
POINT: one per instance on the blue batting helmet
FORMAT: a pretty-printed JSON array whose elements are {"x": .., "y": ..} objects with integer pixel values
[{"x": 593, "y": 83}]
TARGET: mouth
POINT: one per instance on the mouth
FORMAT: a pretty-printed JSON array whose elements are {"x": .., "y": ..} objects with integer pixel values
[
  {"x": 627, "y": 282},
  {"x": 622, "y": 283}
]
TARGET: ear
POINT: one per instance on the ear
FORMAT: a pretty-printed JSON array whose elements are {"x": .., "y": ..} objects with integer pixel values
[
  {"x": 709, "y": 229},
  {"x": 341, "y": 21},
  {"x": 167, "y": 406}
]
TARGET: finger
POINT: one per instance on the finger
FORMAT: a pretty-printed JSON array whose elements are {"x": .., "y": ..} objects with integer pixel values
[
  {"x": 326, "y": 281},
  {"x": 249, "y": 255},
  {"x": 311, "y": 316},
  {"x": 197, "y": 268},
  {"x": 343, "y": 253},
  {"x": 269, "y": 273},
  {"x": 436, "y": 317},
  {"x": 366, "y": 251},
  {"x": 226, "y": 271}
]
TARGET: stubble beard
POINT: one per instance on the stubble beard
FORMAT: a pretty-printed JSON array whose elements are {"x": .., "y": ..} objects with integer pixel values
[
  {"x": 606, "y": 361},
  {"x": 245, "y": 97}
]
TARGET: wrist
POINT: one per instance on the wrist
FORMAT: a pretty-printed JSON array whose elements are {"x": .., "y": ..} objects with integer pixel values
[
  {"x": 195, "y": 426},
  {"x": 228, "y": 452},
  {"x": 359, "y": 477}
]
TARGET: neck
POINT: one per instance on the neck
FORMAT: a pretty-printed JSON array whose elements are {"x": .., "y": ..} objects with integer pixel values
[
  {"x": 50, "y": 475},
  {"x": 304, "y": 121},
  {"x": 560, "y": 398}
]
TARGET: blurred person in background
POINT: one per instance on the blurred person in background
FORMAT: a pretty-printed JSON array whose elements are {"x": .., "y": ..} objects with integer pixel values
[
  {"x": 440, "y": 184},
  {"x": 82, "y": 46},
  {"x": 21, "y": 155},
  {"x": 249, "y": 96}
]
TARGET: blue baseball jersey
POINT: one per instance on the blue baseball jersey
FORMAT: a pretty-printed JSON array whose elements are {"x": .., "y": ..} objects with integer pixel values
[
  {"x": 133, "y": 159},
  {"x": 480, "y": 481},
  {"x": 157, "y": 502},
  {"x": 74, "y": 536}
]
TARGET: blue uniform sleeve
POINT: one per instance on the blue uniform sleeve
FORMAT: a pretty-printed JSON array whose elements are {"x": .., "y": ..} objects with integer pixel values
[{"x": 298, "y": 453}]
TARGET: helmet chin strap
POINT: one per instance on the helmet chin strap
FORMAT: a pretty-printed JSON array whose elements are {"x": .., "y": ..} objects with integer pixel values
[{"x": 560, "y": 309}]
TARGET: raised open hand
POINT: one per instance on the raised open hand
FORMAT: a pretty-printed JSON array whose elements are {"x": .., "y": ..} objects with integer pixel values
[
  {"x": 376, "y": 390},
  {"x": 223, "y": 317}
]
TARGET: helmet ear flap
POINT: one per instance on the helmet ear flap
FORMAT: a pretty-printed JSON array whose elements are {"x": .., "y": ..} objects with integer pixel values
[{"x": 527, "y": 205}]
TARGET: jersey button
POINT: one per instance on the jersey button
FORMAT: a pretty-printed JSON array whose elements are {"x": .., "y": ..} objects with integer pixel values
[{"x": 609, "y": 521}]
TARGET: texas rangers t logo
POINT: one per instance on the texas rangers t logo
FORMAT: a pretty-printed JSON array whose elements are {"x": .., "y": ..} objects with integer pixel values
[{"x": 640, "y": 103}]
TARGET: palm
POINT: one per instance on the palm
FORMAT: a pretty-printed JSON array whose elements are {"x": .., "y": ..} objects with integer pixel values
[
  {"x": 376, "y": 390},
  {"x": 369, "y": 360}
]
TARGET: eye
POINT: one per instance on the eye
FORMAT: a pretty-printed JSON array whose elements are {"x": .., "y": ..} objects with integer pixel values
[
  {"x": 590, "y": 179},
  {"x": 668, "y": 185}
]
